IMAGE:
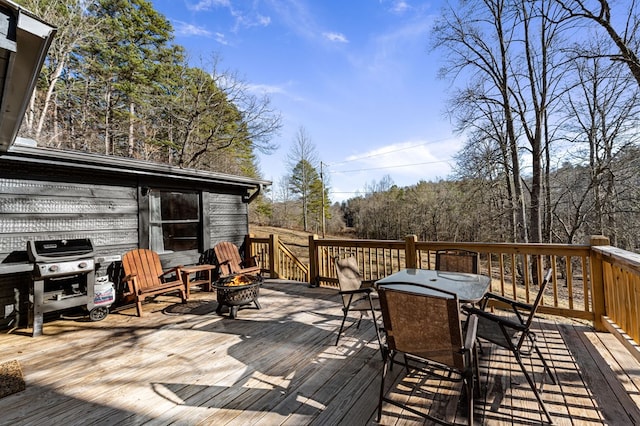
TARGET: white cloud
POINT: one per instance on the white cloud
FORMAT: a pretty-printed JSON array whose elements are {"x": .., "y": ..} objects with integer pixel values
[
  {"x": 185, "y": 29},
  {"x": 243, "y": 18},
  {"x": 265, "y": 89},
  {"x": 390, "y": 54},
  {"x": 204, "y": 5},
  {"x": 222, "y": 39},
  {"x": 405, "y": 162},
  {"x": 284, "y": 90},
  {"x": 335, "y": 37},
  {"x": 263, "y": 20},
  {"x": 297, "y": 16},
  {"x": 404, "y": 158},
  {"x": 399, "y": 7}
]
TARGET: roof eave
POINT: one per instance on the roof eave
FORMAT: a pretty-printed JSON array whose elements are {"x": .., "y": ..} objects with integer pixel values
[{"x": 126, "y": 166}]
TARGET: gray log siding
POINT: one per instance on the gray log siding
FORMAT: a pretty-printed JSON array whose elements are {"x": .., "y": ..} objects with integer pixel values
[
  {"x": 229, "y": 219},
  {"x": 40, "y": 210},
  {"x": 47, "y": 210}
]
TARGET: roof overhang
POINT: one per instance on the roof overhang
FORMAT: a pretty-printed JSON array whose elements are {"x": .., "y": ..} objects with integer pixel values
[
  {"x": 146, "y": 170},
  {"x": 24, "y": 42}
]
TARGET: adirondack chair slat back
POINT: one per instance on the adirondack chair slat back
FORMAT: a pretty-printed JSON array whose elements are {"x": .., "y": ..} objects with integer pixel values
[
  {"x": 144, "y": 277},
  {"x": 228, "y": 256},
  {"x": 145, "y": 264},
  {"x": 229, "y": 261}
]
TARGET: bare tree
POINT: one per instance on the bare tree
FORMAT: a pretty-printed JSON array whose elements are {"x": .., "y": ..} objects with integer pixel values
[
  {"x": 261, "y": 120},
  {"x": 384, "y": 184},
  {"x": 603, "y": 111},
  {"x": 73, "y": 27},
  {"x": 509, "y": 53},
  {"x": 623, "y": 31},
  {"x": 466, "y": 34},
  {"x": 302, "y": 161},
  {"x": 283, "y": 208}
]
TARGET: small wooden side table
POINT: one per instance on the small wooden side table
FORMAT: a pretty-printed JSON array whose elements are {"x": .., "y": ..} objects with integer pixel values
[{"x": 204, "y": 280}]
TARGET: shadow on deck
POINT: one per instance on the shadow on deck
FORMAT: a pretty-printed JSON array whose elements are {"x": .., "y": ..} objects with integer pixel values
[{"x": 184, "y": 364}]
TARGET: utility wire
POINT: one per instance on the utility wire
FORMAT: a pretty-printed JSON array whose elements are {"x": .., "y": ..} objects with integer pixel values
[
  {"x": 391, "y": 167},
  {"x": 388, "y": 152}
]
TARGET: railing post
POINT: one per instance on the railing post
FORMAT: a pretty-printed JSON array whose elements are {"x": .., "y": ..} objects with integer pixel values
[
  {"x": 314, "y": 272},
  {"x": 597, "y": 282},
  {"x": 274, "y": 258},
  {"x": 248, "y": 247},
  {"x": 410, "y": 252}
]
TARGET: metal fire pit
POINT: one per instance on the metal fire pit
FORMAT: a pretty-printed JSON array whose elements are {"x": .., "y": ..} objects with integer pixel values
[{"x": 237, "y": 290}]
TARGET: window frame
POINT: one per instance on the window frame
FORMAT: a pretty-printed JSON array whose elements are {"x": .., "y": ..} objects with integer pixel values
[{"x": 147, "y": 225}]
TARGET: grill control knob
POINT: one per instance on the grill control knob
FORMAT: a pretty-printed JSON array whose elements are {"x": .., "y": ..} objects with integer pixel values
[
  {"x": 82, "y": 265},
  {"x": 53, "y": 268}
]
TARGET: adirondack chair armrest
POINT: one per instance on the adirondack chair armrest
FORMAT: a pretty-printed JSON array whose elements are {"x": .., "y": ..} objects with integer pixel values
[
  {"x": 130, "y": 281},
  {"x": 224, "y": 268},
  {"x": 175, "y": 270},
  {"x": 129, "y": 277}
]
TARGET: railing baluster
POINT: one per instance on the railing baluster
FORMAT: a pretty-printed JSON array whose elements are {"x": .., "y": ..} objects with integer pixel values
[{"x": 575, "y": 292}]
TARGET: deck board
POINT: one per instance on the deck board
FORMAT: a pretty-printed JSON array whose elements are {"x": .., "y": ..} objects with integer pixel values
[{"x": 183, "y": 364}]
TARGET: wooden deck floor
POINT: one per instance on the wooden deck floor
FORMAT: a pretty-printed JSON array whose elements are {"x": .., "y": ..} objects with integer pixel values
[{"x": 183, "y": 364}]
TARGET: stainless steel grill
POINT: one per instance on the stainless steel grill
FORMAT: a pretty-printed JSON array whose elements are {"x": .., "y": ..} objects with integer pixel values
[{"x": 63, "y": 277}]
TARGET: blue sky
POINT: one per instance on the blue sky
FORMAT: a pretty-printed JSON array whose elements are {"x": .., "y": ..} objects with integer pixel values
[{"x": 357, "y": 75}]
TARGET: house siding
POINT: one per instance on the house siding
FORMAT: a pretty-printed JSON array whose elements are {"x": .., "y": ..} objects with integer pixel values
[
  {"x": 40, "y": 210},
  {"x": 228, "y": 216},
  {"x": 68, "y": 196}
]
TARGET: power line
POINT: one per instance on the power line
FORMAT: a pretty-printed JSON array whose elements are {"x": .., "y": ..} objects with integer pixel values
[
  {"x": 388, "y": 152},
  {"x": 392, "y": 167}
]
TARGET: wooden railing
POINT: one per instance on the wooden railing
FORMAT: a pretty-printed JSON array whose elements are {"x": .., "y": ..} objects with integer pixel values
[
  {"x": 276, "y": 259},
  {"x": 593, "y": 282},
  {"x": 620, "y": 274},
  {"x": 569, "y": 295}
]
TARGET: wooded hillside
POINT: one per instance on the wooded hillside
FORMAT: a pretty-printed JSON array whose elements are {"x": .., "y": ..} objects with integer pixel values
[{"x": 115, "y": 83}]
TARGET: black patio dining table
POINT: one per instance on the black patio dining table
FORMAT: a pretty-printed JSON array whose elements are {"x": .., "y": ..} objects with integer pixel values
[{"x": 470, "y": 288}]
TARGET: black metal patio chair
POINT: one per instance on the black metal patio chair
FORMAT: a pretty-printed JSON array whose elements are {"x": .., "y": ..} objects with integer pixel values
[
  {"x": 456, "y": 260},
  {"x": 423, "y": 324},
  {"x": 357, "y": 295},
  {"x": 513, "y": 331}
]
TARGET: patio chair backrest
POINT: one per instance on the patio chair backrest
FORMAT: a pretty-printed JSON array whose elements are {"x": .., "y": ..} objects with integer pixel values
[
  {"x": 145, "y": 265},
  {"x": 349, "y": 277},
  {"x": 538, "y": 300},
  {"x": 228, "y": 252},
  {"x": 229, "y": 261},
  {"x": 426, "y": 325},
  {"x": 457, "y": 261}
]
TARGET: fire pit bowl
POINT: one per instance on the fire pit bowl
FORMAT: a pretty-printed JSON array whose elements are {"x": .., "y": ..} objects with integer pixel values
[{"x": 237, "y": 290}]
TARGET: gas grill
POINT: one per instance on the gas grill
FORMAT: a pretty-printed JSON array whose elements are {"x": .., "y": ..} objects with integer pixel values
[{"x": 63, "y": 277}]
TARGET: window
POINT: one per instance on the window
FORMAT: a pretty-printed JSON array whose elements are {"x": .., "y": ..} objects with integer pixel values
[{"x": 174, "y": 220}]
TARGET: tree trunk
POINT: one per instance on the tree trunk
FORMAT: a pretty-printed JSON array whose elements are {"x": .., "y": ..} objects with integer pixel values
[
  {"x": 107, "y": 142},
  {"x": 47, "y": 98},
  {"x": 131, "y": 129}
]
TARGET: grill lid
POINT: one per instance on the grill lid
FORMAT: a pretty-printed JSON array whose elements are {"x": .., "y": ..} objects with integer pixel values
[{"x": 59, "y": 250}]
